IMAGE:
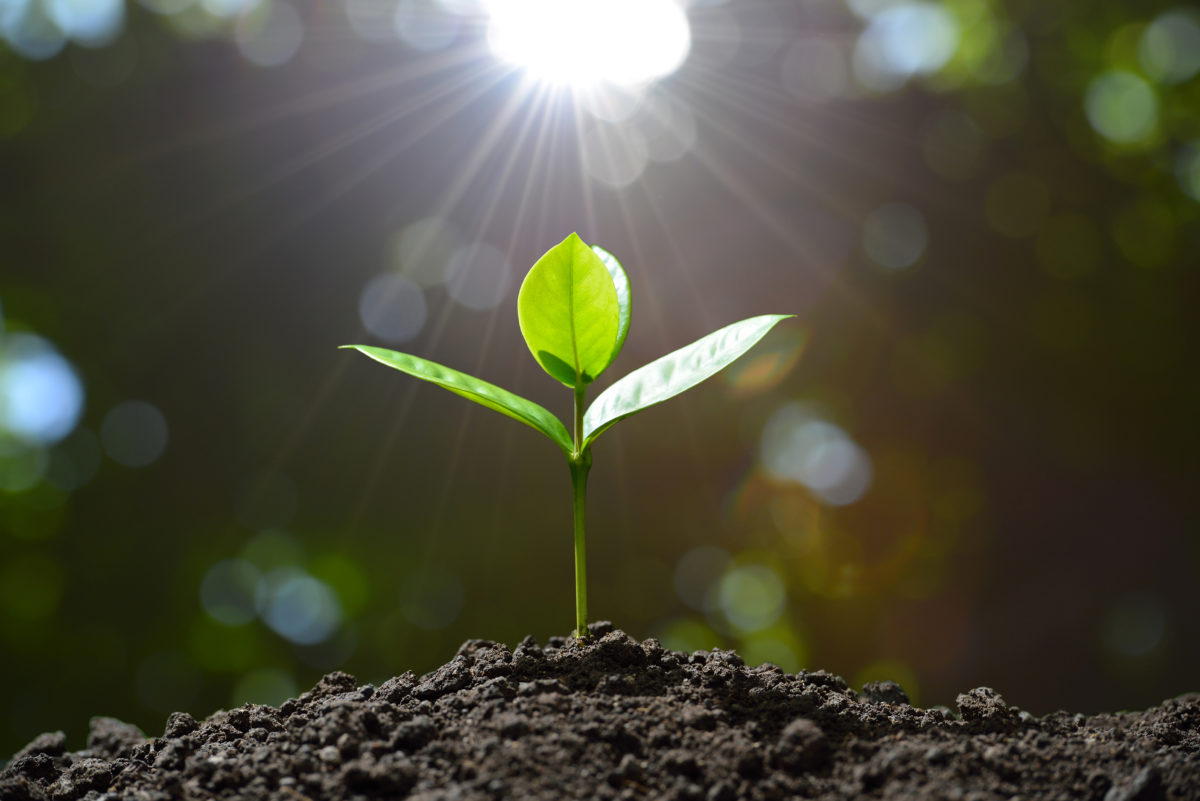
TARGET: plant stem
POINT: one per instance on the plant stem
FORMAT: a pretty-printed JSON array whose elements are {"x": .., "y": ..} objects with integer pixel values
[
  {"x": 579, "y": 473},
  {"x": 580, "y": 463}
]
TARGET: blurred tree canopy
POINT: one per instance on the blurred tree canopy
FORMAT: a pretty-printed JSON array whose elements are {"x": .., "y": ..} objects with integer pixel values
[{"x": 972, "y": 461}]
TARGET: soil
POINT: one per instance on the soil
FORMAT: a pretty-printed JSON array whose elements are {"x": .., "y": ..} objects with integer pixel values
[{"x": 619, "y": 719}]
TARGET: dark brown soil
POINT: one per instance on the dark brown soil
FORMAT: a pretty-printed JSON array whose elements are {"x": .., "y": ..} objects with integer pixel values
[{"x": 619, "y": 719}]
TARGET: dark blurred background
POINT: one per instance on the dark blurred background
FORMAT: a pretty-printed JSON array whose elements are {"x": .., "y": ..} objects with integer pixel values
[{"x": 970, "y": 460}]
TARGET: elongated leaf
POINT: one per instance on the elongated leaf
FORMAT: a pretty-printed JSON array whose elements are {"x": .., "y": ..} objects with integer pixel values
[
  {"x": 483, "y": 393},
  {"x": 568, "y": 311},
  {"x": 672, "y": 374},
  {"x": 624, "y": 297}
]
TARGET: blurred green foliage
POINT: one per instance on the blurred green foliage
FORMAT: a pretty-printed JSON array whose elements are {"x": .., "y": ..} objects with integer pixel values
[{"x": 973, "y": 463}]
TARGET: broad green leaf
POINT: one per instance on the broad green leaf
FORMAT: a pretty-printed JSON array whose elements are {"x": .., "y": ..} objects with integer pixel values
[
  {"x": 672, "y": 374},
  {"x": 483, "y": 393},
  {"x": 569, "y": 313},
  {"x": 624, "y": 297}
]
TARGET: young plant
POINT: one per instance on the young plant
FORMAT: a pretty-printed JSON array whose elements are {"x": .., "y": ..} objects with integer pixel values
[{"x": 574, "y": 309}]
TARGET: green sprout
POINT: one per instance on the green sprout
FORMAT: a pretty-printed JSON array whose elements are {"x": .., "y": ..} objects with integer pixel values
[{"x": 574, "y": 309}]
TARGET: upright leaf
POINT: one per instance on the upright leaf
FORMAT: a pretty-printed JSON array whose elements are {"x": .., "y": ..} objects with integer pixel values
[
  {"x": 624, "y": 297},
  {"x": 569, "y": 313},
  {"x": 672, "y": 374},
  {"x": 483, "y": 393}
]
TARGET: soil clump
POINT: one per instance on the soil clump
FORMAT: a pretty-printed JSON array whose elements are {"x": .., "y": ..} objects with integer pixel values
[{"x": 620, "y": 719}]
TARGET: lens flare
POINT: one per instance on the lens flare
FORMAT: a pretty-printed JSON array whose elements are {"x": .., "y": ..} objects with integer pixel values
[{"x": 583, "y": 43}]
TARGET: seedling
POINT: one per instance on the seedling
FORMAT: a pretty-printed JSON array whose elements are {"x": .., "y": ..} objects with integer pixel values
[{"x": 574, "y": 309}]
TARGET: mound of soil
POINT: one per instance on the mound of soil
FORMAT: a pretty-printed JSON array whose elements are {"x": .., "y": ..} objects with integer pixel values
[{"x": 619, "y": 719}]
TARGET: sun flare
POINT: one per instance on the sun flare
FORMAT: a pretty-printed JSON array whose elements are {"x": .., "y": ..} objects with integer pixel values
[{"x": 585, "y": 43}]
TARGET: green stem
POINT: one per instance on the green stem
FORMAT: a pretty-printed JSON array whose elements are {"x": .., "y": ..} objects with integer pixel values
[
  {"x": 580, "y": 391},
  {"x": 580, "y": 463},
  {"x": 579, "y": 473}
]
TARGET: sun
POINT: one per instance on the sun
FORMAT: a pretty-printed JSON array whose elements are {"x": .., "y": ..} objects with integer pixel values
[{"x": 590, "y": 43}]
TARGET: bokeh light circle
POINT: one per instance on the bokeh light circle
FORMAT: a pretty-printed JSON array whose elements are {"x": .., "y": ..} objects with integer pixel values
[
  {"x": 373, "y": 20},
  {"x": 478, "y": 276},
  {"x": 271, "y": 35},
  {"x": 423, "y": 25},
  {"x": 905, "y": 40},
  {"x": 30, "y": 30},
  {"x": 800, "y": 447},
  {"x": 1122, "y": 107},
  {"x": 614, "y": 155},
  {"x": 751, "y": 597},
  {"x": 229, "y": 9},
  {"x": 421, "y": 250},
  {"x": 668, "y": 128},
  {"x": 228, "y": 591},
  {"x": 270, "y": 686},
  {"x": 41, "y": 397},
  {"x": 392, "y": 308},
  {"x": 90, "y": 22},
  {"x": 134, "y": 433},
  {"x": 298, "y": 607},
  {"x": 1169, "y": 48},
  {"x": 895, "y": 235}
]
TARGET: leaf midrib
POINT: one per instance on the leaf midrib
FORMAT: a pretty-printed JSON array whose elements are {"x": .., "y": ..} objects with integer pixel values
[{"x": 571, "y": 317}]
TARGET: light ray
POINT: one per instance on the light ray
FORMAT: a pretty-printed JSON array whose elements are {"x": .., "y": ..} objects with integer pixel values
[
  {"x": 323, "y": 100},
  {"x": 352, "y": 179},
  {"x": 480, "y": 156},
  {"x": 520, "y": 361},
  {"x": 293, "y": 167},
  {"x": 439, "y": 327}
]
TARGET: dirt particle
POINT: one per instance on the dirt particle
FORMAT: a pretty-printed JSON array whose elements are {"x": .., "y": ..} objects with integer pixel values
[
  {"x": 512, "y": 726},
  {"x": 984, "y": 708},
  {"x": 81, "y": 778},
  {"x": 412, "y": 735},
  {"x": 821, "y": 678},
  {"x": 38, "y": 766},
  {"x": 697, "y": 717},
  {"x": 680, "y": 763},
  {"x": 885, "y": 692},
  {"x": 445, "y": 680},
  {"x": 110, "y": 738},
  {"x": 620, "y": 649},
  {"x": 802, "y": 746},
  {"x": 395, "y": 690},
  {"x": 180, "y": 724},
  {"x": 601, "y": 628}
]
